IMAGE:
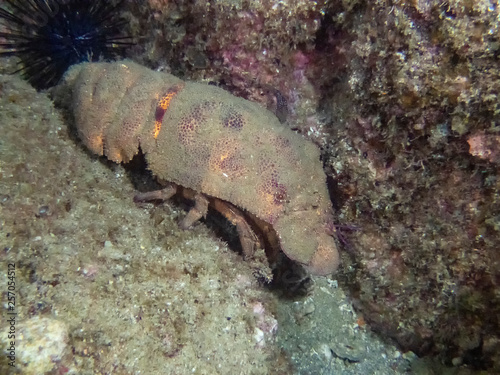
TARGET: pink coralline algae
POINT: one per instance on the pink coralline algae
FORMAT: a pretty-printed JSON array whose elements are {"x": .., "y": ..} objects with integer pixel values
[
  {"x": 254, "y": 49},
  {"x": 266, "y": 325},
  {"x": 485, "y": 146}
]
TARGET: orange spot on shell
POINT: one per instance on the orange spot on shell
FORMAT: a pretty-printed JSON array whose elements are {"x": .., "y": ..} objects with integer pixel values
[
  {"x": 163, "y": 105},
  {"x": 225, "y": 159}
]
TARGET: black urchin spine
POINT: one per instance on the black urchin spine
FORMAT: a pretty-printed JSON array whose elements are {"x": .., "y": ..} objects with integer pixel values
[{"x": 51, "y": 35}]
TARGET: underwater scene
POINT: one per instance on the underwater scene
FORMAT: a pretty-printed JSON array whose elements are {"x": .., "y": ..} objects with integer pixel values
[{"x": 249, "y": 187}]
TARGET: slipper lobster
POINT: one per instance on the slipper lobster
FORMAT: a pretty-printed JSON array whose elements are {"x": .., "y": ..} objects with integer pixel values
[{"x": 218, "y": 149}]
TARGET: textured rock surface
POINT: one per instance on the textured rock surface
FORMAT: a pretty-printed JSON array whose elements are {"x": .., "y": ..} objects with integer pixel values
[
  {"x": 404, "y": 98},
  {"x": 41, "y": 342},
  {"x": 134, "y": 292}
]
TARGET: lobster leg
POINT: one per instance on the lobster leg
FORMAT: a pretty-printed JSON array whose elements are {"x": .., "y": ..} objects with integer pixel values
[
  {"x": 163, "y": 194},
  {"x": 197, "y": 212},
  {"x": 248, "y": 238}
]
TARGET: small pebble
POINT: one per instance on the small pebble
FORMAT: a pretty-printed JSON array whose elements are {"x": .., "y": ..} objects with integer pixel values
[
  {"x": 350, "y": 352},
  {"x": 457, "y": 361},
  {"x": 43, "y": 211}
]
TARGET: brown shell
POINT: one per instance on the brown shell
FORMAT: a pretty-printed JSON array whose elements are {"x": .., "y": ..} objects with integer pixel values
[{"x": 201, "y": 137}]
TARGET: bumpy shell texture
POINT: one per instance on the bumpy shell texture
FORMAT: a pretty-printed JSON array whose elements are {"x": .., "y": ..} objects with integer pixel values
[{"x": 203, "y": 138}]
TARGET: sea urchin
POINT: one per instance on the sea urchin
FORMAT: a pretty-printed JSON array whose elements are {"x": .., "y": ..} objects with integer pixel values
[{"x": 51, "y": 35}]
